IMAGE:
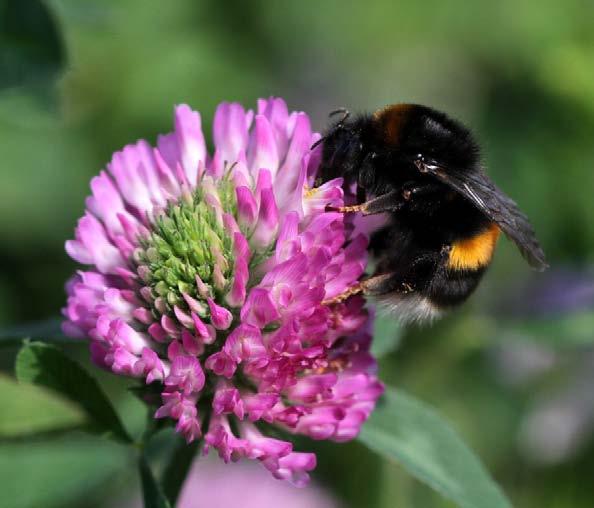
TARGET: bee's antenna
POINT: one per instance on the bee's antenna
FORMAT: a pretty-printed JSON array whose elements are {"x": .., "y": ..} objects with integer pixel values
[
  {"x": 346, "y": 114},
  {"x": 318, "y": 142}
]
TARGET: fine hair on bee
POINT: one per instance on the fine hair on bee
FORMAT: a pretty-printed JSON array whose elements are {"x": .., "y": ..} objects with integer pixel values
[{"x": 423, "y": 170}]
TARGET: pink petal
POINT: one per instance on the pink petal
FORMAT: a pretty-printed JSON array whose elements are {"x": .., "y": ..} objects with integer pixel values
[
  {"x": 275, "y": 110},
  {"x": 221, "y": 364},
  {"x": 220, "y": 317},
  {"x": 262, "y": 150},
  {"x": 245, "y": 343},
  {"x": 93, "y": 247},
  {"x": 259, "y": 308},
  {"x": 268, "y": 216},
  {"x": 156, "y": 332},
  {"x": 241, "y": 250},
  {"x": 186, "y": 375},
  {"x": 194, "y": 305},
  {"x": 134, "y": 171},
  {"x": 230, "y": 131},
  {"x": 247, "y": 208},
  {"x": 188, "y": 129},
  {"x": 182, "y": 317},
  {"x": 288, "y": 176},
  {"x": 227, "y": 400},
  {"x": 293, "y": 467}
]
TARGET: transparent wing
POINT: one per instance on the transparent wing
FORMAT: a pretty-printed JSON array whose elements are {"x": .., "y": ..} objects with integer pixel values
[{"x": 487, "y": 197}]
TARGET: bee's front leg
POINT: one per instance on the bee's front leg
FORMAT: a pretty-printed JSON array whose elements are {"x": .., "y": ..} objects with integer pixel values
[
  {"x": 389, "y": 202},
  {"x": 394, "y": 200}
]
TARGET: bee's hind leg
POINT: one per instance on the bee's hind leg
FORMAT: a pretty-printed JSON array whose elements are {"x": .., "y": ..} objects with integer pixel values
[
  {"x": 373, "y": 286},
  {"x": 386, "y": 283}
]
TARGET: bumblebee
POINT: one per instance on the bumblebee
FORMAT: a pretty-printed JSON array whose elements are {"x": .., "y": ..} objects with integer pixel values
[{"x": 423, "y": 169}]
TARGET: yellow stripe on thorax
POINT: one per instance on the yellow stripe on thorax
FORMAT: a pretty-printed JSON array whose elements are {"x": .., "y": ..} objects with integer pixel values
[{"x": 474, "y": 252}]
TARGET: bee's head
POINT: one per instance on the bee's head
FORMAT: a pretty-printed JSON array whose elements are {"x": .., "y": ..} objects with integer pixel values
[
  {"x": 343, "y": 149},
  {"x": 432, "y": 139}
]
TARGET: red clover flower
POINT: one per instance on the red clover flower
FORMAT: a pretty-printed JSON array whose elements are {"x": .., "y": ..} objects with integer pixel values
[{"x": 210, "y": 276}]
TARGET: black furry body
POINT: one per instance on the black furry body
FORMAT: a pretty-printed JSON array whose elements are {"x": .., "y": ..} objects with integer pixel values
[
  {"x": 424, "y": 169},
  {"x": 419, "y": 261}
]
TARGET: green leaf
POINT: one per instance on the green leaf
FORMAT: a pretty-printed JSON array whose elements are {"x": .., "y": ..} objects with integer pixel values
[
  {"x": 408, "y": 431},
  {"x": 45, "y": 365},
  {"x": 570, "y": 330},
  {"x": 60, "y": 472},
  {"x": 387, "y": 333},
  {"x": 151, "y": 491},
  {"x": 177, "y": 468},
  {"x": 31, "y": 49},
  {"x": 28, "y": 409}
]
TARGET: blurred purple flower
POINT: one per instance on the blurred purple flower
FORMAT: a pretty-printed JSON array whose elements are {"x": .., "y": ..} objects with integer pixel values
[
  {"x": 209, "y": 275},
  {"x": 560, "y": 291},
  {"x": 212, "y": 485}
]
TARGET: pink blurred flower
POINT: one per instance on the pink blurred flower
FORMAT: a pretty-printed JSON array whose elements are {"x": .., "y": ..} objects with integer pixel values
[
  {"x": 212, "y": 485},
  {"x": 209, "y": 275}
]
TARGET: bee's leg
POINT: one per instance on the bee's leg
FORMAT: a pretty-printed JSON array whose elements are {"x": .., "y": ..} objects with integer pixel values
[
  {"x": 387, "y": 283},
  {"x": 413, "y": 275},
  {"x": 394, "y": 200},
  {"x": 345, "y": 295},
  {"x": 389, "y": 202},
  {"x": 373, "y": 286}
]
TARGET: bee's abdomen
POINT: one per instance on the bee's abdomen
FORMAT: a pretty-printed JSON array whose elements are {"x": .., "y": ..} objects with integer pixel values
[
  {"x": 474, "y": 252},
  {"x": 464, "y": 267},
  {"x": 450, "y": 288}
]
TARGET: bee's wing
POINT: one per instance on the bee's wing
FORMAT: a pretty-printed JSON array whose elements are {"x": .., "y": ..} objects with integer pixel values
[{"x": 487, "y": 197}]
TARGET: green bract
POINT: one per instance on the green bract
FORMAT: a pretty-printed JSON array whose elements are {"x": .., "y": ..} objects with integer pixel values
[{"x": 188, "y": 240}]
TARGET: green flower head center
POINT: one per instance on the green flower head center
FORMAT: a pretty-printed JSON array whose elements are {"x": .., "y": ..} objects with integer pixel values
[{"x": 189, "y": 243}]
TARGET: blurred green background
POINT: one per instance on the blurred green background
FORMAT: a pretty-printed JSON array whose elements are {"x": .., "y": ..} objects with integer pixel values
[{"x": 513, "y": 370}]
